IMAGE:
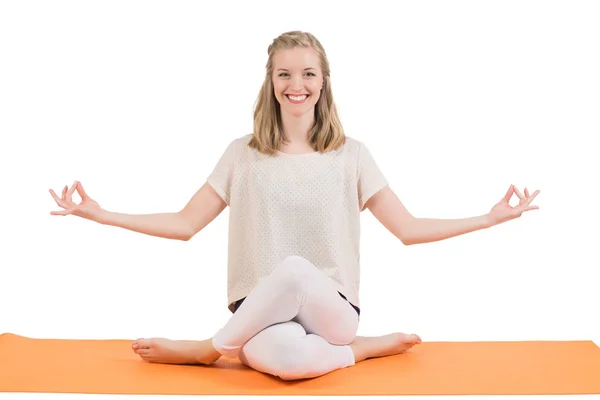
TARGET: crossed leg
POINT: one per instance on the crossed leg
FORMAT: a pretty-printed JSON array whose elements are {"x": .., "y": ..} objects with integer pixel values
[
  {"x": 295, "y": 290},
  {"x": 286, "y": 350},
  {"x": 293, "y": 324}
]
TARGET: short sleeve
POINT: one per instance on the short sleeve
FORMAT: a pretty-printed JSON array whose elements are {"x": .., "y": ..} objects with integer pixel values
[
  {"x": 222, "y": 175},
  {"x": 370, "y": 178}
]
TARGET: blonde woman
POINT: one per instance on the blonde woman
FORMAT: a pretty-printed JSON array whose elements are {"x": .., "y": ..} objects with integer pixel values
[{"x": 295, "y": 187}]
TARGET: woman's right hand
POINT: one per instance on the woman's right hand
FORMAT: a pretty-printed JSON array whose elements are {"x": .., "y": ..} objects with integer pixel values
[{"x": 88, "y": 208}]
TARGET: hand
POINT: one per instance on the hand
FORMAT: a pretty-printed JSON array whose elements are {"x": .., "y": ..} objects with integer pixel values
[
  {"x": 503, "y": 211},
  {"x": 88, "y": 208}
]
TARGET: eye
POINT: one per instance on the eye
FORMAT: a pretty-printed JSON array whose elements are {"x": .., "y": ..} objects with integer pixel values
[{"x": 285, "y": 73}]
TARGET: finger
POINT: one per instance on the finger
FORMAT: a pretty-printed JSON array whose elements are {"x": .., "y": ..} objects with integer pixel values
[
  {"x": 54, "y": 195},
  {"x": 523, "y": 207},
  {"x": 526, "y": 192},
  {"x": 519, "y": 194},
  {"x": 63, "y": 213},
  {"x": 82, "y": 192},
  {"x": 58, "y": 200},
  {"x": 65, "y": 200},
  {"x": 70, "y": 193},
  {"x": 508, "y": 194},
  {"x": 530, "y": 199}
]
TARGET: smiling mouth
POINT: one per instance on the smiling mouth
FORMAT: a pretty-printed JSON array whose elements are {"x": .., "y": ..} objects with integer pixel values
[{"x": 298, "y": 99}]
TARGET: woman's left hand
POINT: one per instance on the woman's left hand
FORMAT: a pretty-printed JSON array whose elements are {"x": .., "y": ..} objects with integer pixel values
[{"x": 503, "y": 211}]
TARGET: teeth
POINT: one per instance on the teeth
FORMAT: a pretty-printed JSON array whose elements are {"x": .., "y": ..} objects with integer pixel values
[{"x": 297, "y": 98}]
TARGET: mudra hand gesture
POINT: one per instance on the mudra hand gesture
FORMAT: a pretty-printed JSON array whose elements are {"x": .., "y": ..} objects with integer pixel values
[
  {"x": 503, "y": 211},
  {"x": 88, "y": 208}
]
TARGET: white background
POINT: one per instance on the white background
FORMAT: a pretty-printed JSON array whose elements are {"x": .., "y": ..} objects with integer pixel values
[{"x": 455, "y": 100}]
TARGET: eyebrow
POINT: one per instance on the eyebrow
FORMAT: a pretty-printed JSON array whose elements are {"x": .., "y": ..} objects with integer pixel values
[{"x": 283, "y": 69}]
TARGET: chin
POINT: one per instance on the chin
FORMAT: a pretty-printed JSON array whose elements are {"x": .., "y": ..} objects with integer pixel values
[{"x": 298, "y": 113}]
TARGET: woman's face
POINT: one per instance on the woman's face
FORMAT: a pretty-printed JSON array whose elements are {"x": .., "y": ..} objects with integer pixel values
[{"x": 297, "y": 73}]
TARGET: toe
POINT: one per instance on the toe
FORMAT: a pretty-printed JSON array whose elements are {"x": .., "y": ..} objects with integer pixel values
[
  {"x": 135, "y": 344},
  {"x": 412, "y": 339},
  {"x": 142, "y": 344}
]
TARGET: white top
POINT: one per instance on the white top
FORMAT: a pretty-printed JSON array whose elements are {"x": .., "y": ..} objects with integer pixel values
[{"x": 295, "y": 204}]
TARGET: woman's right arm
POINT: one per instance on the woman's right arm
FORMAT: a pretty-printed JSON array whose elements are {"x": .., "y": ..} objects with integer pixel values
[
  {"x": 165, "y": 225},
  {"x": 203, "y": 208}
]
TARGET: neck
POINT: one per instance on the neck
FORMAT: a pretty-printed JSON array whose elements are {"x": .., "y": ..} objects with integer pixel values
[{"x": 297, "y": 127}]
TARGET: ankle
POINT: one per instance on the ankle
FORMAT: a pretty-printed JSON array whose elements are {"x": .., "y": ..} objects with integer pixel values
[
  {"x": 212, "y": 349},
  {"x": 206, "y": 353},
  {"x": 359, "y": 352}
]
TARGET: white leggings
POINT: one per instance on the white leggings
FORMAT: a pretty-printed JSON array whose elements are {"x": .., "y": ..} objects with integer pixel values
[{"x": 293, "y": 325}]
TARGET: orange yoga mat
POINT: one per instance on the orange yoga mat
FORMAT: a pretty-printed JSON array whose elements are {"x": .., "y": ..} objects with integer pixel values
[{"x": 431, "y": 368}]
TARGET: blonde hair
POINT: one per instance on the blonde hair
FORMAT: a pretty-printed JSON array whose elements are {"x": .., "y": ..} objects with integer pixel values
[{"x": 326, "y": 134}]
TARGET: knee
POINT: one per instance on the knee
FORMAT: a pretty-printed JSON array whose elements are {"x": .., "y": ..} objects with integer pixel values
[
  {"x": 285, "y": 275},
  {"x": 293, "y": 364},
  {"x": 343, "y": 337},
  {"x": 280, "y": 350},
  {"x": 296, "y": 268}
]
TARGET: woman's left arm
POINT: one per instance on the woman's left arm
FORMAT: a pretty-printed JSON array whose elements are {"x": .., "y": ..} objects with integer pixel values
[{"x": 388, "y": 209}]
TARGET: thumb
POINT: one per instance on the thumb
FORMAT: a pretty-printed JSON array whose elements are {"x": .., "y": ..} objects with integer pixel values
[{"x": 62, "y": 213}]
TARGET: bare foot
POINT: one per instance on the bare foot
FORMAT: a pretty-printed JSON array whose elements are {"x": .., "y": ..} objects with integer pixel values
[
  {"x": 166, "y": 351},
  {"x": 382, "y": 346}
]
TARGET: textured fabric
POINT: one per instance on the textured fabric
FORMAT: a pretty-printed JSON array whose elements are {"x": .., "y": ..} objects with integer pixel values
[
  {"x": 295, "y": 204},
  {"x": 238, "y": 303},
  {"x": 286, "y": 350},
  {"x": 296, "y": 291}
]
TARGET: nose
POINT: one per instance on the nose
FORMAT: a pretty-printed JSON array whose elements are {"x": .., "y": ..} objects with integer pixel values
[{"x": 297, "y": 85}]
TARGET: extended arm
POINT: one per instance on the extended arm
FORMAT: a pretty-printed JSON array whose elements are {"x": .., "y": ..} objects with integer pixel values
[
  {"x": 202, "y": 209},
  {"x": 390, "y": 211}
]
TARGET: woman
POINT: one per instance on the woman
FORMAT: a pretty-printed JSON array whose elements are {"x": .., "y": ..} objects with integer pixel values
[{"x": 295, "y": 188}]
